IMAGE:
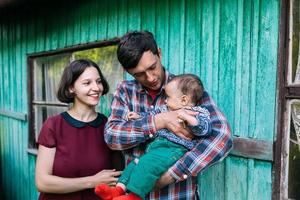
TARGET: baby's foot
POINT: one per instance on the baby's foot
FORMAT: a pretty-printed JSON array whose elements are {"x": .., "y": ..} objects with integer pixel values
[{"x": 108, "y": 193}]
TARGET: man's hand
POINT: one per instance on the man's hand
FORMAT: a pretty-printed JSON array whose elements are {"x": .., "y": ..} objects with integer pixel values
[
  {"x": 165, "y": 179},
  {"x": 169, "y": 120}
]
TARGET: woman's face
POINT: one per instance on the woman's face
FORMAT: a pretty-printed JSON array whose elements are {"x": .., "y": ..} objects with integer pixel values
[{"x": 87, "y": 88}]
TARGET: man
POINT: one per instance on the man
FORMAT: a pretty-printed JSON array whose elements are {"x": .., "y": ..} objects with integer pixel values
[{"x": 139, "y": 55}]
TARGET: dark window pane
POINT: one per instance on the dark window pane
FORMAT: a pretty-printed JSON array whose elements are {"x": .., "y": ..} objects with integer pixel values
[{"x": 294, "y": 153}]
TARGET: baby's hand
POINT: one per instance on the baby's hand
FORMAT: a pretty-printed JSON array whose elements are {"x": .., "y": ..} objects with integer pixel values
[
  {"x": 187, "y": 116},
  {"x": 132, "y": 116}
]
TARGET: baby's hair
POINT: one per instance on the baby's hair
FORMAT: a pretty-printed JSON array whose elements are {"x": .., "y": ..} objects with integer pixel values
[{"x": 191, "y": 85}]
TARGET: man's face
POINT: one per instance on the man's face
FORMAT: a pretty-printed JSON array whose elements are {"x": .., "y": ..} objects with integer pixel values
[{"x": 149, "y": 71}]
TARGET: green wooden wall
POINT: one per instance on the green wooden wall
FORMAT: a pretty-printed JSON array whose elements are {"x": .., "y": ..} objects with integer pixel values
[{"x": 230, "y": 44}]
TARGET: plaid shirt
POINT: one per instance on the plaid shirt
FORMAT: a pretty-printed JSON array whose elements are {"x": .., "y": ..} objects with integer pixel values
[{"x": 133, "y": 136}]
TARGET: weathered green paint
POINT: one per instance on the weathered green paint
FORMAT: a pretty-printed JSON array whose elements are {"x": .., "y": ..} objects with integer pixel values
[{"x": 230, "y": 44}]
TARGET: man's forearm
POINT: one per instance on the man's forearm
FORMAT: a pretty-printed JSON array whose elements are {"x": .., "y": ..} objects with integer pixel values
[{"x": 121, "y": 134}]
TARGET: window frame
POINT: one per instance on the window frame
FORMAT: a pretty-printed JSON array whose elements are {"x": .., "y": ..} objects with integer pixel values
[
  {"x": 32, "y": 146},
  {"x": 287, "y": 91}
]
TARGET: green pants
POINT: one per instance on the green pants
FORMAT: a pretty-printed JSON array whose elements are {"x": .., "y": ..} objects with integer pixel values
[{"x": 161, "y": 154}]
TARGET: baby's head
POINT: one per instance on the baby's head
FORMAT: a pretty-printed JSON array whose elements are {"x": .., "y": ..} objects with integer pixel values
[{"x": 183, "y": 90}]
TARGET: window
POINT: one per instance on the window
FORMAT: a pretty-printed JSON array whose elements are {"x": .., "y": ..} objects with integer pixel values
[
  {"x": 45, "y": 73},
  {"x": 290, "y": 153},
  {"x": 294, "y": 150},
  {"x": 294, "y": 34}
]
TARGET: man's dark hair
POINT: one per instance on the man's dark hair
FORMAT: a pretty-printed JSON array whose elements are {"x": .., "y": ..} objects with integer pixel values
[
  {"x": 71, "y": 74},
  {"x": 132, "y": 46},
  {"x": 191, "y": 85}
]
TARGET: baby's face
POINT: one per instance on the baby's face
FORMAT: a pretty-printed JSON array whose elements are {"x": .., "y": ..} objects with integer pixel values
[{"x": 173, "y": 95}]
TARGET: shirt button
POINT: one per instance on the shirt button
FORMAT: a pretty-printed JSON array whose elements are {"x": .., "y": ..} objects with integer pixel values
[
  {"x": 184, "y": 176},
  {"x": 151, "y": 106},
  {"x": 151, "y": 135}
]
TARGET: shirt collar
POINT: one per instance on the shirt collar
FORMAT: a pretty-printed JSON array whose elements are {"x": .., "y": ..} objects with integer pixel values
[{"x": 79, "y": 124}]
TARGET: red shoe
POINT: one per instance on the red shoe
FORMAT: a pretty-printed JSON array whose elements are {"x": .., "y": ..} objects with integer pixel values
[
  {"x": 108, "y": 193},
  {"x": 130, "y": 196}
]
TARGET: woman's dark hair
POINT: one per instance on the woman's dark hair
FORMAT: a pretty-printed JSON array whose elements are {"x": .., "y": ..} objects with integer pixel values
[
  {"x": 190, "y": 84},
  {"x": 133, "y": 45},
  {"x": 71, "y": 74}
]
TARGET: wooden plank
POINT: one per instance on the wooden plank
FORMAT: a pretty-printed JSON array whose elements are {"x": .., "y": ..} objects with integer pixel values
[
  {"x": 102, "y": 20},
  {"x": 134, "y": 15},
  {"x": 148, "y": 15},
  {"x": 22, "y": 126},
  {"x": 12, "y": 85},
  {"x": 77, "y": 24},
  {"x": 281, "y": 101},
  {"x": 250, "y": 180},
  {"x": 198, "y": 30},
  {"x": 243, "y": 112},
  {"x": 75, "y": 48},
  {"x": 93, "y": 20},
  {"x": 11, "y": 128},
  {"x": 16, "y": 90},
  {"x": 190, "y": 41},
  {"x": 2, "y": 160},
  {"x": 85, "y": 22},
  {"x": 2, "y": 125},
  {"x": 162, "y": 29},
  {"x": 14, "y": 115},
  {"x": 54, "y": 31},
  {"x": 211, "y": 183},
  {"x": 206, "y": 46},
  {"x": 23, "y": 95},
  {"x": 253, "y": 148},
  {"x": 236, "y": 185},
  {"x": 31, "y": 173},
  {"x": 70, "y": 18},
  {"x": 216, "y": 46},
  {"x": 239, "y": 66},
  {"x": 259, "y": 180},
  {"x": 112, "y": 20},
  {"x": 227, "y": 58},
  {"x": 176, "y": 36},
  {"x": 62, "y": 26},
  {"x": 122, "y": 18},
  {"x": 266, "y": 70},
  {"x": 7, "y": 141},
  {"x": 254, "y": 45},
  {"x": 2, "y": 67}
]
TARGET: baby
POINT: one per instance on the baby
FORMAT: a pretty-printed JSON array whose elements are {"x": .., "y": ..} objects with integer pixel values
[{"x": 183, "y": 93}]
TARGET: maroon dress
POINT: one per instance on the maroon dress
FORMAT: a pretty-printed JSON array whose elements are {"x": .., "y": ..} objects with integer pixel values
[{"x": 80, "y": 151}]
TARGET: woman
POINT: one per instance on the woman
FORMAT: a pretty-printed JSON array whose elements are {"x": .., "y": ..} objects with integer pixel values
[{"x": 72, "y": 156}]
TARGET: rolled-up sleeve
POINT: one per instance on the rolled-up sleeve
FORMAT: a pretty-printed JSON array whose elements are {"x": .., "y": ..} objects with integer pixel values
[{"x": 121, "y": 134}]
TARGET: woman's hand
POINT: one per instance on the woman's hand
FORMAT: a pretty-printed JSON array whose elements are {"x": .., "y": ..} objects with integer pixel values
[{"x": 107, "y": 176}]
